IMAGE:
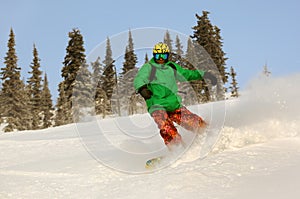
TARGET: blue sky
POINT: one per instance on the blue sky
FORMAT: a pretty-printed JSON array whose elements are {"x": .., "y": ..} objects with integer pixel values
[{"x": 254, "y": 32}]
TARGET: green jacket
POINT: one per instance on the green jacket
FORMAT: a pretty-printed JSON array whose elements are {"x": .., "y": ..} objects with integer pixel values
[{"x": 164, "y": 87}]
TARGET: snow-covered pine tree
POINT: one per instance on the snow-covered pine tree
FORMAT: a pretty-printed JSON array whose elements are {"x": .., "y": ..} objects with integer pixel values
[
  {"x": 220, "y": 60},
  {"x": 13, "y": 89},
  {"x": 27, "y": 115},
  {"x": 97, "y": 73},
  {"x": 82, "y": 99},
  {"x": 129, "y": 70},
  {"x": 192, "y": 62},
  {"x": 234, "y": 88},
  {"x": 167, "y": 40},
  {"x": 178, "y": 48},
  {"x": 74, "y": 59},
  {"x": 100, "y": 97},
  {"x": 61, "y": 106},
  {"x": 47, "y": 105},
  {"x": 219, "y": 55},
  {"x": 130, "y": 56},
  {"x": 203, "y": 32},
  {"x": 109, "y": 76},
  {"x": 208, "y": 36},
  {"x": 203, "y": 38},
  {"x": 190, "y": 55},
  {"x": 35, "y": 87}
]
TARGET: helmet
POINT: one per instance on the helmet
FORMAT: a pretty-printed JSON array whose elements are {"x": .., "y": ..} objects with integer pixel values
[{"x": 161, "y": 48}]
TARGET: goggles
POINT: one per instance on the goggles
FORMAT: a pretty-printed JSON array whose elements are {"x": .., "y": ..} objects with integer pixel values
[{"x": 164, "y": 56}]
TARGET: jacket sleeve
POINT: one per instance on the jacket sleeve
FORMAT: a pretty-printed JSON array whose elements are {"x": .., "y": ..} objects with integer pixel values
[
  {"x": 142, "y": 77},
  {"x": 187, "y": 74}
]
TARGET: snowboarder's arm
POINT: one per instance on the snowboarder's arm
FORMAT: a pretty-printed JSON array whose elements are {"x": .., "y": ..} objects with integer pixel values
[{"x": 187, "y": 74}]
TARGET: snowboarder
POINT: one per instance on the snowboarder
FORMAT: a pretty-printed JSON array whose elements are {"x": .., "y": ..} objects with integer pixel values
[{"x": 156, "y": 83}]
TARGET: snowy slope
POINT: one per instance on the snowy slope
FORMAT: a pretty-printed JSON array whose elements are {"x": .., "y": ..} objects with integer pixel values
[{"x": 257, "y": 154}]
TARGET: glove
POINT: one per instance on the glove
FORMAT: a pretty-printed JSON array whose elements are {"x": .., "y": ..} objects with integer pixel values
[
  {"x": 145, "y": 92},
  {"x": 211, "y": 77}
]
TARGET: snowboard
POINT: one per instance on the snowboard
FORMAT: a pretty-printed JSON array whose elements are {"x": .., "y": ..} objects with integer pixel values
[
  {"x": 173, "y": 151},
  {"x": 153, "y": 162}
]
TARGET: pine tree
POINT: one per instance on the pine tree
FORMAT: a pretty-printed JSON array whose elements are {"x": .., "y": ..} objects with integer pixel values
[
  {"x": 208, "y": 36},
  {"x": 109, "y": 76},
  {"x": 46, "y": 105},
  {"x": 203, "y": 32},
  {"x": 125, "y": 84},
  {"x": 168, "y": 40},
  {"x": 219, "y": 60},
  {"x": 97, "y": 69},
  {"x": 100, "y": 95},
  {"x": 178, "y": 46},
  {"x": 82, "y": 99},
  {"x": 61, "y": 116},
  {"x": 190, "y": 56},
  {"x": 193, "y": 55},
  {"x": 13, "y": 89},
  {"x": 27, "y": 114},
  {"x": 202, "y": 38},
  {"x": 177, "y": 55},
  {"x": 35, "y": 88},
  {"x": 234, "y": 88},
  {"x": 130, "y": 57},
  {"x": 219, "y": 55},
  {"x": 73, "y": 61}
]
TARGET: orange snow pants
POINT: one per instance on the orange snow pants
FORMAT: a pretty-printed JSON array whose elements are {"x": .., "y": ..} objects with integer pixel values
[{"x": 181, "y": 116}]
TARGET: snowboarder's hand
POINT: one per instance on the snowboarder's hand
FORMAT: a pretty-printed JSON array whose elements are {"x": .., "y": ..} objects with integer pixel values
[
  {"x": 211, "y": 77},
  {"x": 145, "y": 92}
]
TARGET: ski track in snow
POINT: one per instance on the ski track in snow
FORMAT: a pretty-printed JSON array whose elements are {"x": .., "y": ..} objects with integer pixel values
[{"x": 257, "y": 156}]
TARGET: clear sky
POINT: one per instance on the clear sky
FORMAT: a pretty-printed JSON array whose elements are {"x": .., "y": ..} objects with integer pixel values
[{"x": 254, "y": 32}]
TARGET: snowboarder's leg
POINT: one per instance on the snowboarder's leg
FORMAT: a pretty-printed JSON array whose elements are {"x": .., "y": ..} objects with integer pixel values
[
  {"x": 167, "y": 129},
  {"x": 187, "y": 119}
]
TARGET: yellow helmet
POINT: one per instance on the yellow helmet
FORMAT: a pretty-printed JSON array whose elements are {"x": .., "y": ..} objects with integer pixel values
[{"x": 161, "y": 48}]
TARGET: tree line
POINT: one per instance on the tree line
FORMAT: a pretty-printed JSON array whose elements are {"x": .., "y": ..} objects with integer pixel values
[
  {"x": 24, "y": 104},
  {"x": 96, "y": 88}
]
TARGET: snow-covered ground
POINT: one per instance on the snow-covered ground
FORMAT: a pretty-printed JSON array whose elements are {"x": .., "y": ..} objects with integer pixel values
[{"x": 257, "y": 154}]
